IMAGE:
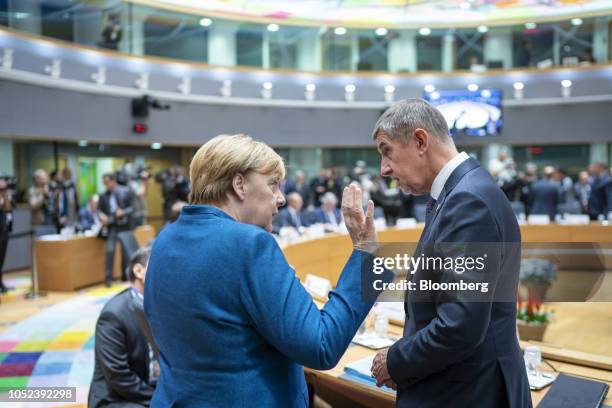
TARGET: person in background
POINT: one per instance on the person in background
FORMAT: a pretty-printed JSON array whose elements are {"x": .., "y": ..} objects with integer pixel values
[
  {"x": 600, "y": 201},
  {"x": 38, "y": 198},
  {"x": 546, "y": 194},
  {"x": 292, "y": 215},
  {"x": 140, "y": 189},
  {"x": 6, "y": 224},
  {"x": 328, "y": 213},
  {"x": 299, "y": 185},
  {"x": 88, "y": 214},
  {"x": 115, "y": 209},
  {"x": 525, "y": 181},
  {"x": 72, "y": 196},
  {"x": 58, "y": 203},
  {"x": 125, "y": 371},
  {"x": 524, "y": 55},
  {"x": 582, "y": 191},
  {"x": 112, "y": 32}
]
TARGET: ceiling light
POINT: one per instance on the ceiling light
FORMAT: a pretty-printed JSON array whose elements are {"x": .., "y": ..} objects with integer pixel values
[
  {"x": 434, "y": 95},
  {"x": 576, "y": 21},
  {"x": 518, "y": 86},
  {"x": 425, "y": 31},
  {"x": 530, "y": 26},
  {"x": 389, "y": 89},
  {"x": 82, "y": 143},
  {"x": 205, "y": 22},
  {"x": 472, "y": 87},
  {"x": 566, "y": 83},
  {"x": 273, "y": 28},
  {"x": 267, "y": 85},
  {"x": 311, "y": 87},
  {"x": 482, "y": 29},
  {"x": 340, "y": 31},
  {"x": 485, "y": 93},
  {"x": 381, "y": 31},
  {"x": 350, "y": 88},
  {"x": 156, "y": 145},
  {"x": 429, "y": 88}
]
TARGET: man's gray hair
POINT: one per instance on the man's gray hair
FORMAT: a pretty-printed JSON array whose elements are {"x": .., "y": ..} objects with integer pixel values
[{"x": 404, "y": 117}]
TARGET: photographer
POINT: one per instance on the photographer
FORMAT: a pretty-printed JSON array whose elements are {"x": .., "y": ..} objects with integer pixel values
[
  {"x": 38, "y": 198},
  {"x": 175, "y": 190},
  {"x": 6, "y": 223}
]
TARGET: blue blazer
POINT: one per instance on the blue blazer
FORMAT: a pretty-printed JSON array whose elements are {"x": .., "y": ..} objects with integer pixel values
[
  {"x": 233, "y": 323},
  {"x": 464, "y": 354}
]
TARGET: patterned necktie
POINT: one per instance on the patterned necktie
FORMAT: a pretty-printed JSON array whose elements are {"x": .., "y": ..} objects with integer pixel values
[{"x": 431, "y": 203}]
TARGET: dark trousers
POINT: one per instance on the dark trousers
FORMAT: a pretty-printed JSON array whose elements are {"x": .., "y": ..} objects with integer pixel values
[
  {"x": 4, "y": 238},
  {"x": 111, "y": 243}
]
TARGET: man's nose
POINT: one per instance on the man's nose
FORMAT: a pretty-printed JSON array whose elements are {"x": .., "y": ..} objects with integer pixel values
[{"x": 385, "y": 170}]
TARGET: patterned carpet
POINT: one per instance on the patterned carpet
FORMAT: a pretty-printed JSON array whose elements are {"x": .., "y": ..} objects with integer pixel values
[{"x": 54, "y": 347}]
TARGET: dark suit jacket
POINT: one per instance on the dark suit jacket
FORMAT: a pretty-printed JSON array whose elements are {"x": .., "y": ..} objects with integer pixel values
[
  {"x": 321, "y": 216},
  {"x": 464, "y": 354},
  {"x": 600, "y": 200},
  {"x": 121, "y": 370},
  {"x": 545, "y": 196},
  {"x": 125, "y": 201},
  {"x": 284, "y": 219}
]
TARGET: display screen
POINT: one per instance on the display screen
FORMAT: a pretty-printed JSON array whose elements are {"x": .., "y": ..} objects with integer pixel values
[{"x": 470, "y": 113}]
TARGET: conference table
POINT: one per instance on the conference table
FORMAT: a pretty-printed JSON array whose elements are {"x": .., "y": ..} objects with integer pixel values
[
  {"x": 67, "y": 263},
  {"x": 326, "y": 255}
]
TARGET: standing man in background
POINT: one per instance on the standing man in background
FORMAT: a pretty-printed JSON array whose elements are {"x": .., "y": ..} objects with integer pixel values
[
  {"x": 38, "y": 198},
  {"x": 6, "y": 224},
  {"x": 115, "y": 209},
  {"x": 453, "y": 353}
]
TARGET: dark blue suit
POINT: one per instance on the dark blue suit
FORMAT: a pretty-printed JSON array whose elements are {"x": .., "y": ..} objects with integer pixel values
[
  {"x": 546, "y": 196},
  {"x": 233, "y": 323},
  {"x": 285, "y": 219},
  {"x": 464, "y": 354},
  {"x": 321, "y": 217}
]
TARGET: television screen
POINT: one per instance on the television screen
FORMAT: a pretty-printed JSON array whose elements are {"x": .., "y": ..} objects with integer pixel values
[{"x": 470, "y": 113}]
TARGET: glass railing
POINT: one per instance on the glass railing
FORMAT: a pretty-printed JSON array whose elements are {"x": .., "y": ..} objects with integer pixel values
[{"x": 142, "y": 30}]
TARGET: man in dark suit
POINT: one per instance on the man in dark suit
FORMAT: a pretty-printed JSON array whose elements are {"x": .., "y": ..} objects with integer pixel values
[
  {"x": 600, "y": 200},
  {"x": 292, "y": 215},
  {"x": 125, "y": 370},
  {"x": 546, "y": 194},
  {"x": 115, "y": 209},
  {"x": 456, "y": 353}
]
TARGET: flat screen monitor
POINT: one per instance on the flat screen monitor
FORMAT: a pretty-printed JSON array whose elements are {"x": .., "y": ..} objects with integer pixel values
[{"x": 470, "y": 113}]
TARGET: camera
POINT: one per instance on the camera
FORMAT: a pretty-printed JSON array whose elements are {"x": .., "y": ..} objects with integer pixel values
[{"x": 10, "y": 183}]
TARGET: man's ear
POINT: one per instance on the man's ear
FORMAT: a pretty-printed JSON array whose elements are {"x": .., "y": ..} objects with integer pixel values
[
  {"x": 421, "y": 138},
  {"x": 239, "y": 186},
  {"x": 139, "y": 271}
]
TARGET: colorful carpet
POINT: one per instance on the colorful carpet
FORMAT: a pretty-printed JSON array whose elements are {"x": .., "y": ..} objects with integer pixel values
[{"x": 54, "y": 347}]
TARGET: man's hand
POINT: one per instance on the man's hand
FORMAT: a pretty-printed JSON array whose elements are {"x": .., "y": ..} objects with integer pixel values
[
  {"x": 360, "y": 226},
  {"x": 119, "y": 213},
  {"x": 380, "y": 371}
]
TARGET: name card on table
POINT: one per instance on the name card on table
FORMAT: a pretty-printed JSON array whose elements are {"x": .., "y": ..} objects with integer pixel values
[
  {"x": 538, "y": 219},
  {"x": 576, "y": 219},
  {"x": 380, "y": 223},
  {"x": 406, "y": 223},
  {"x": 317, "y": 286},
  {"x": 393, "y": 310}
]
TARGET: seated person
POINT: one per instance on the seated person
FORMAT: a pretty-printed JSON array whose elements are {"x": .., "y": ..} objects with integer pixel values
[
  {"x": 292, "y": 215},
  {"x": 88, "y": 214},
  {"x": 124, "y": 373},
  {"x": 328, "y": 213}
]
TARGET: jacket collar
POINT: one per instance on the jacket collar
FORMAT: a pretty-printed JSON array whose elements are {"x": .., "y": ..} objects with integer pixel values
[{"x": 190, "y": 210}]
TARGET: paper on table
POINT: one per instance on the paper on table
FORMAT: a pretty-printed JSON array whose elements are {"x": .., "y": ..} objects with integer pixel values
[{"x": 373, "y": 341}]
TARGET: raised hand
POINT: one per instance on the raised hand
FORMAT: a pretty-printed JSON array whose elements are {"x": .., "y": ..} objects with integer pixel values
[{"x": 360, "y": 226}]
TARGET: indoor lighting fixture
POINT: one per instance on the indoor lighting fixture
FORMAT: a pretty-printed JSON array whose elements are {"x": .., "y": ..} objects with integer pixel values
[
  {"x": 226, "y": 88},
  {"x": 482, "y": 29},
  {"x": 349, "y": 93},
  {"x": 518, "y": 90},
  {"x": 340, "y": 31},
  {"x": 309, "y": 92},
  {"x": 82, "y": 143},
  {"x": 156, "y": 145},
  {"x": 266, "y": 90},
  {"x": 389, "y": 93},
  {"x": 472, "y": 87},
  {"x": 429, "y": 88},
  {"x": 576, "y": 21},
  {"x": 485, "y": 93},
  {"x": 530, "y": 26},
  {"x": 425, "y": 31},
  {"x": 566, "y": 88},
  {"x": 273, "y": 28},
  {"x": 381, "y": 32},
  {"x": 205, "y": 22}
]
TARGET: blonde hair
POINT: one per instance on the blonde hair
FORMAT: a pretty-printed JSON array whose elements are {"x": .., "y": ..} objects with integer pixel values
[{"x": 215, "y": 164}]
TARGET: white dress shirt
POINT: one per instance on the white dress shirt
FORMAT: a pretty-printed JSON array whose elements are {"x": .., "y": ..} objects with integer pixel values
[{"x": 444, "y": 174}]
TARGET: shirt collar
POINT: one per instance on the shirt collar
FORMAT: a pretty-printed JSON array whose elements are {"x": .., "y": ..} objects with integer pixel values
[{"x": 444, "y": 174}]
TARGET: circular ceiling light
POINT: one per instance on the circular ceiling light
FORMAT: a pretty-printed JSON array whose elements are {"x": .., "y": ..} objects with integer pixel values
[
  {"x": 381, "y": 31},
  {"x": 205, "y": 22},
  {"x": 340, "y": 31},
  {"x": 425, "y": 31},
  {"x": 273, "y": 28}
]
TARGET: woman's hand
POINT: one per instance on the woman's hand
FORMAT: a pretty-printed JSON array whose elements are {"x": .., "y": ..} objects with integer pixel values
[{"x": 360, "y": 226}]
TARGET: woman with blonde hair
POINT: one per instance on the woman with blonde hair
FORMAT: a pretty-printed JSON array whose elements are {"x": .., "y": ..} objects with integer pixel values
[{"x": 233, "y": 324}]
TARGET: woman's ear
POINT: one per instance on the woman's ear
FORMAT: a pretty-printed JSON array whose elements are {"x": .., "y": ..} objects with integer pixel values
[{"x": 239, "y": 185}]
